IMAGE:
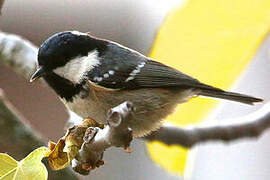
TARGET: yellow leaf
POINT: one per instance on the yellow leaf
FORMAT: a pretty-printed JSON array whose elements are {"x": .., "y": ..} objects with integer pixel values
[
  {"x": 8, "y": 165},
  {"x": 29, "y": 168}
]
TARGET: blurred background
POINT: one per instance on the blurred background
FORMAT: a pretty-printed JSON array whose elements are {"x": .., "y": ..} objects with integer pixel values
[{"x": 149, "y": 27}]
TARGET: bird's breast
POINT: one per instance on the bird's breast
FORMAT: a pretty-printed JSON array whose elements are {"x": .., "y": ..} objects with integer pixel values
[{"x": 86, "y": 107}]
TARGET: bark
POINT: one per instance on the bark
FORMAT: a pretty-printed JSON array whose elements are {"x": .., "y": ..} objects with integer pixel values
[{"x": 251, "y": 126}]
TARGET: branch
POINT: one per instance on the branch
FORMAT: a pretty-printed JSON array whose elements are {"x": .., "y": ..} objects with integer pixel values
[
  {"x": 251, "y": 126},
  {"x": 95, "y": 141},
  {"x": 18, "y": 54}
]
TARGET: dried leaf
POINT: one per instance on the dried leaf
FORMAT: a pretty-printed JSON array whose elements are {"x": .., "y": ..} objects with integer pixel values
[
  {"x": 64, "y": 151},
  {"x": 58, "y": 159}
]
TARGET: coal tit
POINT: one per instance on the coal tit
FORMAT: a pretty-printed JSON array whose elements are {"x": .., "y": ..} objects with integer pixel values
[{"x": 92, "y": 75}]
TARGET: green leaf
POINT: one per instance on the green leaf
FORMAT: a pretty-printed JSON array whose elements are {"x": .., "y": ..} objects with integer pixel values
[{"x": 29, "y": 168}]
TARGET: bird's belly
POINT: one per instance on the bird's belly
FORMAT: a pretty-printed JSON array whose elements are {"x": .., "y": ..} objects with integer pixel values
[{"x": 151, "y": 106}]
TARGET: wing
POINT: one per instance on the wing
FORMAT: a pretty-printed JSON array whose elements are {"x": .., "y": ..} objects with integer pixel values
[{"x": 123, "y": 68}]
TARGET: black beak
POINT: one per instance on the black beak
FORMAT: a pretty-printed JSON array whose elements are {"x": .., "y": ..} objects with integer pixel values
[{"x": 39, "y": 73}]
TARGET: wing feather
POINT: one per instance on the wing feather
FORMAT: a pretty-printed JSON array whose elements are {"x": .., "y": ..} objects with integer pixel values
[{"x": 123, "y": 68}]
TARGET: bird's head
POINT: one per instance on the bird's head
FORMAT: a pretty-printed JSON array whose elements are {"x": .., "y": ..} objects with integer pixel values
[{"x": 68, "y": 54}]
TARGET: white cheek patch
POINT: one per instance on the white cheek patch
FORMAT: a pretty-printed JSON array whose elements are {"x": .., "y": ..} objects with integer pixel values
[{"x": 76, "y": 68}]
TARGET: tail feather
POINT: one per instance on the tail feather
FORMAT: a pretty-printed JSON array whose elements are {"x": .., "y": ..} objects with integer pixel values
[{"x": 232, "y": 96}]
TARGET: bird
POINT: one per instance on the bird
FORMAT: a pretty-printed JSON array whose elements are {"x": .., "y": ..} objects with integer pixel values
[{"x": 92, "y": 75}]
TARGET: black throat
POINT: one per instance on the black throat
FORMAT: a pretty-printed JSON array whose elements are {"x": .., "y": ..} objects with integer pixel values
[{"x": 63, "y": 87}]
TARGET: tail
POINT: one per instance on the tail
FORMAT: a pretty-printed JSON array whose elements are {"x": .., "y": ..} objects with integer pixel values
[{"x": 219, "y": 93}]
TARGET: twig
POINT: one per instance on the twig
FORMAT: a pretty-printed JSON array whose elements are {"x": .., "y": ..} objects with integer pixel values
[
  {"x": 251, "y": 126},
  {"x": 116, "y": 133}
]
